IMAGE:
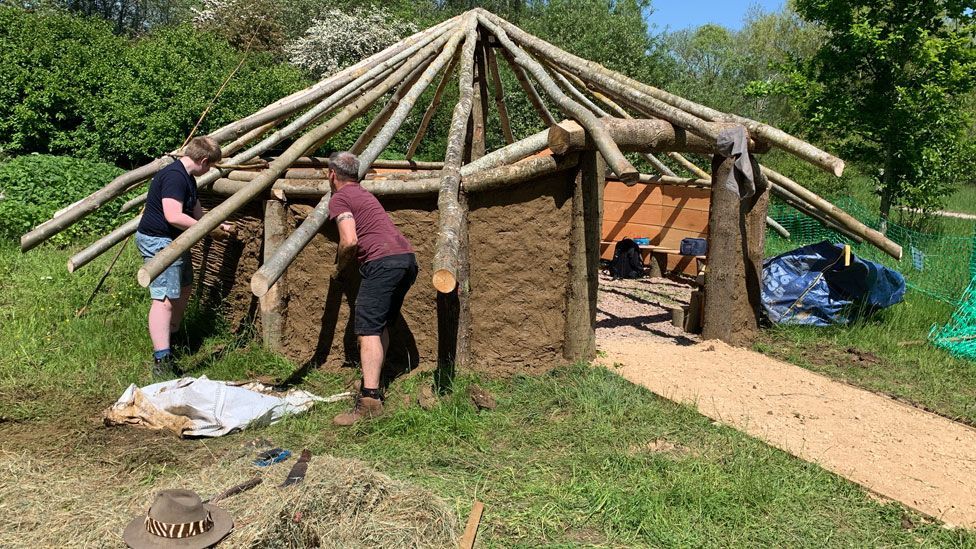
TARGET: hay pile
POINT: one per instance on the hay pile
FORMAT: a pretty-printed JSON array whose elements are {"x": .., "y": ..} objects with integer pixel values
[{"x": 341, "y": 503}]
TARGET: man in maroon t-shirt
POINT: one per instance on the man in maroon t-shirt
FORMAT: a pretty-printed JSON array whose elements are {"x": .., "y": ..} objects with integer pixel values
[{"x": 388, "y": 268}]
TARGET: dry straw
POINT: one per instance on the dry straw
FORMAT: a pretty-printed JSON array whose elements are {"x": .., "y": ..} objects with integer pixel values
[{"x": 341, "y": 503}]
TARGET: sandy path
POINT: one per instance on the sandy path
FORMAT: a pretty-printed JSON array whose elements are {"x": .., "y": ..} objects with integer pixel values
[{"x": 920, "y": 459}]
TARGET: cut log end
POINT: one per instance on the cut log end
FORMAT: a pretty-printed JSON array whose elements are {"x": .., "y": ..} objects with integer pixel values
[
  {"x": 839, "y": 168},
  {"x": 143, "y": 277},
  {"x": 444, "y": 281},
  {"x": 630, "y": 177},
  {"x": 259, "y": 285},
  {"x": 26, "y": 243},
  {"x": 71, "y": 266}
]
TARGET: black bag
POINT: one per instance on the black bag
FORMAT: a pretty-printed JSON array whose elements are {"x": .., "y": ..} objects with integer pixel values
[{"x": 626, "y": 262}]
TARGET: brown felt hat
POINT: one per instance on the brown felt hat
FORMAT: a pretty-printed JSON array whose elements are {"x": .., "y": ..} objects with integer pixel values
[{"x": 178, "y": 519}]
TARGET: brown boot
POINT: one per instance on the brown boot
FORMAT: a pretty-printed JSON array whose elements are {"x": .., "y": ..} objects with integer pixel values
[{"x": 365, "y": 408}]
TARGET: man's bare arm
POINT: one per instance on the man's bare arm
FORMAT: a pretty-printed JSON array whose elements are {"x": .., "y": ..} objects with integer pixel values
[{"x": 348, "y": 243}]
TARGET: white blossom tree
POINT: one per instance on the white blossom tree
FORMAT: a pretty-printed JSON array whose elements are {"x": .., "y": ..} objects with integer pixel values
[{"x": 338, "y": 38}]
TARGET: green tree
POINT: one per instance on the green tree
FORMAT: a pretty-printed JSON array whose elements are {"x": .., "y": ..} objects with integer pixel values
[
  {"x": 68, "y": 86},
  {"x": 888, "y": 86}
]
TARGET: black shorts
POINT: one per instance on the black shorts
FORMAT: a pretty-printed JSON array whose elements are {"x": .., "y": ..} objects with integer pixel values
[{"x": 385, "y": 284}]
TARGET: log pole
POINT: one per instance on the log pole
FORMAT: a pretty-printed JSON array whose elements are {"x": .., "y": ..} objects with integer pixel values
[
  {"x": 688, "y": 114},
  {"x": 633, "y": 135},
  {"x": 431, "y": 109},
  {"x": 263, "y": 283},
  {"x": 499, "y": 95},
  {"x": 579, "y": 342},
  {"x": 374, "y": 126},
  {"x": 280, "y": 108},
  {"x": 446, "y": 254},
  {"x": 736, "y": 234},
  {"x": 272, "y": 302},
  {"x": 403, "y": 108},
  {"x": 302, "y": 146},
  {"x": 622, "y": 167},
  {"x": 529, "y": 89}
]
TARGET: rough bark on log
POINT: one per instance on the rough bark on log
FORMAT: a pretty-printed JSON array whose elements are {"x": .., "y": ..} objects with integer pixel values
[
  {"x": 479, "y": 106},
  {"x": 431, "y": 109},
  {"x": 736, "y": 234},
  {"x": 302, "y": 146},
  {"x": 480, "y": 181},
  {"x": 272, "y": 300},
  {"x": 103, "y": 244},
  {"x": 579, "y": 342},
  {"x": 575, "y": 93},
  {"x": 281, "y": 108},
  {"x": 446, "y": 252},
  {"x": 683, "y": 112},
  {"x": 529, "y": 89},
  {"x": 385, "y": 135},
  {"x": 275, "y": 264},
  {"x": 499, "y": 95},
  {"x": 633, "y": 135},
  {"x": 384, "y": 115},
  {"x": 836, "y": 214},
  {"x": 594, "y": 126},
  {"x": 694, "y": 169}
]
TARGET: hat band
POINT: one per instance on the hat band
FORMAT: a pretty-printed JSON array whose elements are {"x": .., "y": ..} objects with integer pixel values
[{"x": 178, "y": 530}]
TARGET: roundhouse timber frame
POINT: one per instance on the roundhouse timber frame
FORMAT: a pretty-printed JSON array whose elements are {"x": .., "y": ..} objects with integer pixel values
[{"x": 639, "y": 118}]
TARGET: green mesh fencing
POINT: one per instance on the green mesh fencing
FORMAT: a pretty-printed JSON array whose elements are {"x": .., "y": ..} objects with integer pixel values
[
  {"x": 959, "y": 335},
  {"x": 938, "y": 265}
]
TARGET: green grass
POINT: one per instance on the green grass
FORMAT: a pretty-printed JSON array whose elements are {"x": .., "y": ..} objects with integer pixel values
[
  {"x": 563, "y": 461},
  {"x": 963, "y": 200}
]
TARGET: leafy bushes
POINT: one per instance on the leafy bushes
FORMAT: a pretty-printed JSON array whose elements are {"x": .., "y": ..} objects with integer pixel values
[
  {"x": 33, "y": 187},
  {"x": 69, "y": 86}
]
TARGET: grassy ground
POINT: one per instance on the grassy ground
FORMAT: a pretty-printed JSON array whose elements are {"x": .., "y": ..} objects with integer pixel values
[
  {"x": 579, "y": 457},
  {"x": 963, "y": 200}
]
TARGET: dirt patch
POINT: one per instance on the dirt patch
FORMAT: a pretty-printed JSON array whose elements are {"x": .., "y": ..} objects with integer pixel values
[
  {"x": 641, "y": 308},
  {"x": 919, "y": 459},
  {"x": 661, "y": 446}
]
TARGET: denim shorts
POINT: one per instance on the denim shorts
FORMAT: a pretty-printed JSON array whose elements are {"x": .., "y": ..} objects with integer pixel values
[
  {"x": 170, "y": 282},
  {"x": 381, "y": 292}
]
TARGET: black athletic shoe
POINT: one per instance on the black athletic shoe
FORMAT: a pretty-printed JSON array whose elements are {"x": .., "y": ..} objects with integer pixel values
[{"x": 165, "y": 368}]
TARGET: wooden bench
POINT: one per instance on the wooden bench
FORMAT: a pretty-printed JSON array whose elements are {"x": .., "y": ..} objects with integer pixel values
[{"x": 661, "y": 260}]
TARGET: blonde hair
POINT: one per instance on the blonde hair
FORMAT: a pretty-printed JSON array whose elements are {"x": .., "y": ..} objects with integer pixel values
[{"x": 203, "y": 147}]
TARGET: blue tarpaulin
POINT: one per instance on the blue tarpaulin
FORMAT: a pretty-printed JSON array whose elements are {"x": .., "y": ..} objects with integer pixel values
[{"x": 811, "y": 286}]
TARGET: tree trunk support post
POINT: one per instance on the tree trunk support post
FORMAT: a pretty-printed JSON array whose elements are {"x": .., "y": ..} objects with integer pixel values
[
  {"x": 736, "y": 236},
  {"x": 272, "y": 304},
  {"x": 579, "y": 343}
]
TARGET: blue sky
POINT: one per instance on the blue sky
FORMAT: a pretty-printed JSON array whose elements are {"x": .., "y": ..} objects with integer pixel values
[{"x": 682, "y": 14}]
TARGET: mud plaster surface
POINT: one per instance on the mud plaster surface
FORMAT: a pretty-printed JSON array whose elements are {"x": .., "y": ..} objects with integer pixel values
[
  {"x": 519, "y": 270},
  {"x": 923, "y": 460}
]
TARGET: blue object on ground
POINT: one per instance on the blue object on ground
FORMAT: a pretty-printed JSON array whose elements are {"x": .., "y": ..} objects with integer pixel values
[
  {"x": 642, "y": 241},
  {"x": 269, "y": 457},
  {"x": 693, "y": 246},
  {"x": 811, "y": 286}
]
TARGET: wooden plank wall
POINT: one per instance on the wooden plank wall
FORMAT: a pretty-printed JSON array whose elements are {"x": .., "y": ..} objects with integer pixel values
[{"x": 663, "y": 213}]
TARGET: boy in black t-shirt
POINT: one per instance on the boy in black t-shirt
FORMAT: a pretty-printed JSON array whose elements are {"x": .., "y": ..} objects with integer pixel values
[{"x": 172, "y": 207}]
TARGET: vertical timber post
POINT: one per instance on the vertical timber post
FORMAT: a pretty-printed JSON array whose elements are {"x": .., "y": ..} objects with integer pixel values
[
  {"x": 579, "y": 343},
  {"x": 272, "y": 303},
  {"x": 736, "y": 236}
]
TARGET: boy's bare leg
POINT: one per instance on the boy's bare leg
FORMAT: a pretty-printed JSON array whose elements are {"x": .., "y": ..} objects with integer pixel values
[
  {"x": 160, "y": 316},
  {"x": 179, "y": 308}
]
